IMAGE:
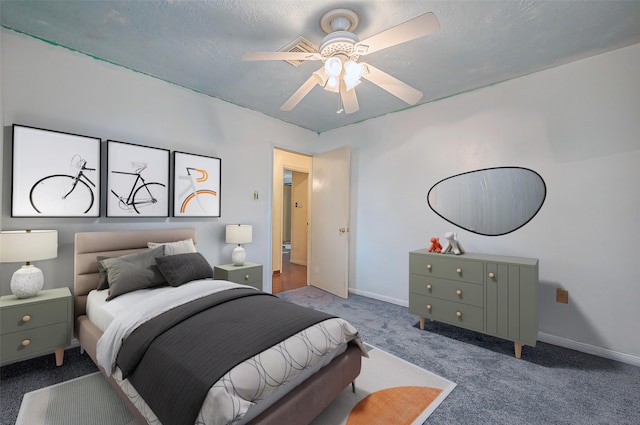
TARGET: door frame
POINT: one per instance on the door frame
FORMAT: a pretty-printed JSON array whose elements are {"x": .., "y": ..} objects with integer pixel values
[{"x": 280, "y": 169}]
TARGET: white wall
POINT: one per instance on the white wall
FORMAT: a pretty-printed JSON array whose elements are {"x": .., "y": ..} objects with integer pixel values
[
  {"x": 578, "y": 125},
  {"x": 53, "y": 88}
]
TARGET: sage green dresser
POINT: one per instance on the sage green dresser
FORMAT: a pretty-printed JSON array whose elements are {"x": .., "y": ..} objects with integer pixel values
[
  {"x": 34, "y": 326},
  {"x": 493, "y": 294},
  {"x": 246, "y": 274}
]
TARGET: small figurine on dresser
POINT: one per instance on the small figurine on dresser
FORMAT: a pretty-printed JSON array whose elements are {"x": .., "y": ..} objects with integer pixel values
[
  {"x": 453, "y": 245},
  {"x": 435, "y": 245}
]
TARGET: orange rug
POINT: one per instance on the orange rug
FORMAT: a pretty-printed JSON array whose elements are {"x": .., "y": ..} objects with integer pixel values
[
  {"x": 389, "y": 391},
  {"x": 400, "y": 405}
]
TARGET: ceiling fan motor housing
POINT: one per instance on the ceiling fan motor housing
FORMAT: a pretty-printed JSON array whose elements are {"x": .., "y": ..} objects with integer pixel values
[{"x": 339, "y": 43}]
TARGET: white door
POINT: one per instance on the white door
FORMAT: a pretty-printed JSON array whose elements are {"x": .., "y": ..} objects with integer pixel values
[{"x": 329, "y": 260}]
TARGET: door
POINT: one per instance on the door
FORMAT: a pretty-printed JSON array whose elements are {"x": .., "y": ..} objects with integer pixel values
[
  {"x": 329, "y": 259},
  {"x": 299, "y": 217}
]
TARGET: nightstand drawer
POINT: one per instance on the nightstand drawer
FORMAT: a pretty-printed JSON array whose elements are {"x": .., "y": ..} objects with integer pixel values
[
  {"x": 446, "y": 267},
  {"x": 458, "y": 314},
  {"x": 245, "y": 276},
  {"x": 33, "y": 315},
  {"x": 37, "y": 340},
  {"x": 467, "y": 293}
]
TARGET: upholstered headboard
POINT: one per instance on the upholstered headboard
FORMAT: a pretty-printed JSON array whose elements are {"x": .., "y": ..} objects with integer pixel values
[{"x": 89, "y": 245}]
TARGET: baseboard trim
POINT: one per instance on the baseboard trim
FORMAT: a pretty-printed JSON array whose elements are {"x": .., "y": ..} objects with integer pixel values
[
  {"x": 589, "y": 349},
  {"x": 542, "y": 336},
  {"x": 391, "y": 300}
]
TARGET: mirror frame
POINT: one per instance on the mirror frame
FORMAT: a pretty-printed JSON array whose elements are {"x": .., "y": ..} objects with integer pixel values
[{"x": 486, "y": 169}]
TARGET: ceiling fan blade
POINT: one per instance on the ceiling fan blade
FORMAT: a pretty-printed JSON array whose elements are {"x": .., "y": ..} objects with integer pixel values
[
  {"x": 349, "y": 99},
  {"x": 417, "y": 27},
  {"x": 277, "y": 56},
  {"x": 391, "y": 84},
  {"x": 302, "y": 91}
]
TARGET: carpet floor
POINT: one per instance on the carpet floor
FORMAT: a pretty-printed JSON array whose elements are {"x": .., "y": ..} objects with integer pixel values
[{"x": 549, "y": 385}]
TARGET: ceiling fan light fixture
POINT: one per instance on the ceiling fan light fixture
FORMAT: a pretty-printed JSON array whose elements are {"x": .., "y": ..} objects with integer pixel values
[
  {"x": 350, "y": 83},
  {"x": 332, "y": 83},
  {"x": 333, "y": 67},
  {"x": 352, "y": 73}
]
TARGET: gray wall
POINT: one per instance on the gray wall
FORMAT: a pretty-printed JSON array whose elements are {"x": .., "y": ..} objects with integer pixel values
[
  {"x": 577, "y": 125},
  {"x": 53, "y": 88}
]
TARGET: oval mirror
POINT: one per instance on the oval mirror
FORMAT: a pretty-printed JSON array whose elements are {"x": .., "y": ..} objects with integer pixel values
[{"x": 491, "y": 201}]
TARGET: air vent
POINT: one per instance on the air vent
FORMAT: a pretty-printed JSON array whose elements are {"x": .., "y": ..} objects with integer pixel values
[{"x": 300, "y": 45}]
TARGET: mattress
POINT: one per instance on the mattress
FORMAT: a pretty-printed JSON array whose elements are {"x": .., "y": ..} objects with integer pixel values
[{"x": 309, "y": 350}]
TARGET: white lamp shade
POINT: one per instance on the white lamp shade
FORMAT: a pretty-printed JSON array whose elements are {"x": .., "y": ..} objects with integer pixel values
[
  {"x": 20, "y": 246},
  {"x": 239, "y": 233},
  {"x": 26, "y": 246}
]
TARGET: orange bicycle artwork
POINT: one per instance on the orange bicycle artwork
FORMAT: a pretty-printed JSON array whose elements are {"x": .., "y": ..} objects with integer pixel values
[{"x": 197, "y": 191}]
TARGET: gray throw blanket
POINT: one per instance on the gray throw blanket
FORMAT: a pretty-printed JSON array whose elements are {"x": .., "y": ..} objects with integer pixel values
[{"x": 175, "y": 358}]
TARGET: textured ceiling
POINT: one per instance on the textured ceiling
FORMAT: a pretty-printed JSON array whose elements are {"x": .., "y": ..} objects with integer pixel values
[{"x": 199, "y": 44}]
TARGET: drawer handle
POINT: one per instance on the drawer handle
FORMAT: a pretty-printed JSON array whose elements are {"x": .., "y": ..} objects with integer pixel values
[
  {"x": 429, "y": 286},
  {"x": 459, "y": 270},
  {"x": 492, "y": 275},
  {"x": 428, "y": 306},
  {"x": 459, "y": 292},
  {"x": 459, "y": 314},
  {"x": 428, "y": 266},
  {"x": 246, "y": 277},
  {"x": 25, "y": 342},
  {"x": 26, "y": 318}
]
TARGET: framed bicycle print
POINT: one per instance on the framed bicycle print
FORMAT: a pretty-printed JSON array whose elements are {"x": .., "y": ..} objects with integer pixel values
[
  {"x": 55, "y": 174},
  {"x": 196, "y": 185},
  {"x": 137, "y": 180}
]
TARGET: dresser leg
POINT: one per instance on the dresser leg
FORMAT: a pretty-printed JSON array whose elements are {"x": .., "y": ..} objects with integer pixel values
[
  {"x": 518, "y": 349},
  {"x": 421, "y": 322},
  {"x": 59, "y": 356}
]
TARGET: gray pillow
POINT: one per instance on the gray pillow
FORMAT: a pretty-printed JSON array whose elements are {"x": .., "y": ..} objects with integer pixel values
[
  {"x": 103, "y": 278},
  {"x": 183, "y": 268},
  {"x": 133, "y": 271}
]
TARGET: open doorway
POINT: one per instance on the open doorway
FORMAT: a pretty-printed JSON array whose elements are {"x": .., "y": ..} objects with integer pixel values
[
  {"x": 326, "y": 222},
  {"x": 295, "y": 211}
]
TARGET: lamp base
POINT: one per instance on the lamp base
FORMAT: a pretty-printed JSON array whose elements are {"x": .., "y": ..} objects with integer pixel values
[
  {"x": 238, "y": 256},
  {"x": 27, "y": 281}
]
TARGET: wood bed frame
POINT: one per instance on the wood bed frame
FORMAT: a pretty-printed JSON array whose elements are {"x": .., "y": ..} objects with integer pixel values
[{"x": 298, "y": 407}]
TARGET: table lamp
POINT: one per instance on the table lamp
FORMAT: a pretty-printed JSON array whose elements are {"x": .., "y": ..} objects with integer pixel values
[
  {"x": 238, "y": 234},
  {"x": 17, "y": 246}
]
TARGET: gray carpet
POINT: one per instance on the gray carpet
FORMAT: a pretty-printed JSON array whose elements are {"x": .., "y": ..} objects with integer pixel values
[{"x": 549, "y": 385}]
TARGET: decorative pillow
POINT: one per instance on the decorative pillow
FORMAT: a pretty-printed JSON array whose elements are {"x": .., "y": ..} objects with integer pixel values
[
  {"x": 183, "y": 268},
  {"x": 103, "y": 278},
  {"x": 133, "y": 271},
  {"x": 173, "y": 248}
]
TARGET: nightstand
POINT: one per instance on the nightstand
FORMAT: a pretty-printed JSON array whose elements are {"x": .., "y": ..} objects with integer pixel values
[
  {"x": 246, "y": 274},
  {"x": 35, "y": 326}
]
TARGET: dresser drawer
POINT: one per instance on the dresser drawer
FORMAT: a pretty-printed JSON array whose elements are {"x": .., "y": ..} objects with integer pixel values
[
  {"x": 446, "y": 266},
  {"x": 451, "y": 290},
  {"x": 33, "y": 315},
  {"x": 458, "y": 314},
  {"x": 39, "y": 340}
]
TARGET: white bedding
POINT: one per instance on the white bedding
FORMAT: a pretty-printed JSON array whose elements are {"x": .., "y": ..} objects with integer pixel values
[{"x": 232, "y": 400}]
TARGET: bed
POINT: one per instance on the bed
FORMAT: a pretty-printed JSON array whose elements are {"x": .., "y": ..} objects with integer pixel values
[{"x": 296, "y": 402}]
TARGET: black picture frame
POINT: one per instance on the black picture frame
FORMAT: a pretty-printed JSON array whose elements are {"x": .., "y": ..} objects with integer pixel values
[
  {"x": 54, "y": 174},
  {"x": 137, "y": 180},
  {"x": 196, "y": 185}
]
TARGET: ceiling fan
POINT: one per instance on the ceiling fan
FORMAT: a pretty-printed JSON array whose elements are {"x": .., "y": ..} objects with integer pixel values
[{"x": 340, "y": 50}]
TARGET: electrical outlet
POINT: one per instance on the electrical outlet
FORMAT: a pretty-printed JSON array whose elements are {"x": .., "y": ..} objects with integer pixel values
[{"x": 562, "y": 296}]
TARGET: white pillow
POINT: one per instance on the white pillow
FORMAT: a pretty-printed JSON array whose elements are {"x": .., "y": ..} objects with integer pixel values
[{"x": 171, "y": 248}]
